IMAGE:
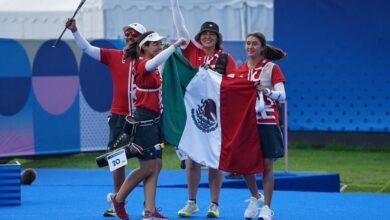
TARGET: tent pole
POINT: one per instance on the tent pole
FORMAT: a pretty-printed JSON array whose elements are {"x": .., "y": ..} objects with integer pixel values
[{"x": 243, "y": 16}]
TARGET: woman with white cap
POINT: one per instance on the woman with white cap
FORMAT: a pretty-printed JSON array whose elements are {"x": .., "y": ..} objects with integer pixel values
[
  {"x": 146, "y": 115},
  {"x": 203, "y": 50},
  {"x": 122, "y": 100}
]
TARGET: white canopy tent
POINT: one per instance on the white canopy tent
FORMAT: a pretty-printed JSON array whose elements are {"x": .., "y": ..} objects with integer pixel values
[{"x": 44, "y": 19}]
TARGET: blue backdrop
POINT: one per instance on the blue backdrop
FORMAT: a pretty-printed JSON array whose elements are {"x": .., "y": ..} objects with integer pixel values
[{"x": 338, "y": 63}]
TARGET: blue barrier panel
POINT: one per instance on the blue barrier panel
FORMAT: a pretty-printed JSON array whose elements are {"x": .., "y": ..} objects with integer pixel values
[
  {"x": 15, "y": 77},
  {"x": 16, "y": 123},
  {"x": 10, "y": 184},
  {"x": 56, "y": 88}
]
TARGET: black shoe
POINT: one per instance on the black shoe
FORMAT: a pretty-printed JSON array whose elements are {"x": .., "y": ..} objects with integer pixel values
[{"x": 109, "y": 212}]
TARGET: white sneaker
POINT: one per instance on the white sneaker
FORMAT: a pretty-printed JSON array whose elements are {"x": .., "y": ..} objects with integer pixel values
[
  {"x": 190, "y": 208},
  {"x": 109, "y": 198},
  {"x": 254, "y": 206},
  {"x": 213, "y": 211},
  {"x": 109, "y": 212},
  {"x": 265, "y": 213}
]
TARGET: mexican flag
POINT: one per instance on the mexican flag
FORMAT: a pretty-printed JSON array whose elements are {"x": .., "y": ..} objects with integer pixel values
[{"x": 210, "y": 117}]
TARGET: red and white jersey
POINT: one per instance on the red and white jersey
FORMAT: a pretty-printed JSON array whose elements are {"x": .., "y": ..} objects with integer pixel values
[
  {"x": 268, "y": 74},
  {"x": 198, "y": 57},
  {"x": 122, "y": 83},
  {"x": 148, "y": 87}
]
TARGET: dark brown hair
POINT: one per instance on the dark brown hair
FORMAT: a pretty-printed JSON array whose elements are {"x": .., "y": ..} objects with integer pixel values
[
  {"x": 270, "y": 52},
  {"x": 212, "y": 27},
  {"x": 218, "y": 44},
  {"x": 132, "y": 50}
]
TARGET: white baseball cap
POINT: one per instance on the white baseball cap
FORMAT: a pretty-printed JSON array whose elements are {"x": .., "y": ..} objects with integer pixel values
[
  {"x": 151, "y": 37},
  {"x": 136, "y": 26}
]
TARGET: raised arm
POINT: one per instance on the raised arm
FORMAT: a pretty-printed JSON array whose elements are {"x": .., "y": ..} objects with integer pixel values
[
  {"x": 178, "y": 21},
  {"x": 81, "y": 42},
  {"x": 163, "y": 55}
]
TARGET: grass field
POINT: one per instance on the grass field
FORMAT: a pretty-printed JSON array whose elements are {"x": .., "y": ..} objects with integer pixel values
[{"x": 361, "y": 170}]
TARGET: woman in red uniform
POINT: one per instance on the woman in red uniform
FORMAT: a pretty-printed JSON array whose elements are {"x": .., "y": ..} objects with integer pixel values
[
  {"x": 203, "y": 50},
  {"x": 259, "y": 68},
  {"x": 147, "y": 114},
  {"x": 122, "y": 100}
]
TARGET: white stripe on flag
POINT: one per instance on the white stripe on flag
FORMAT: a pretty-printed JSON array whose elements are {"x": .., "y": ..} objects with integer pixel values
[{"x": 204, "y": 147}]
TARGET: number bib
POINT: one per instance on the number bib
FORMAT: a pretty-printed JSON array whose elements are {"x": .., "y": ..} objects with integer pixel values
[{"x": 117, "y": 159}]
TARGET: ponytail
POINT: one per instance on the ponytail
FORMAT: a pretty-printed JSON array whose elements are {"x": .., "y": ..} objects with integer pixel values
[{"x": 271, "y": 53}]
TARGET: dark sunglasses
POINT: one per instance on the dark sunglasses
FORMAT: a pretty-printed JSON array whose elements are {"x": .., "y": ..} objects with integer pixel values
[{"x": 132, "y": 33}]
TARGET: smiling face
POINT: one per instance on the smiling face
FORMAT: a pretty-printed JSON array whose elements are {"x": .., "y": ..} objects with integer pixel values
[
  {"x": 208, "y": 39},
  {"x": 253, "y": 47},
  {"x": 152, "y": 48}
]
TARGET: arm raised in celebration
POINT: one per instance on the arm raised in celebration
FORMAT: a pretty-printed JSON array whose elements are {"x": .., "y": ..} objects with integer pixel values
[{"x": 81, "y": 42}]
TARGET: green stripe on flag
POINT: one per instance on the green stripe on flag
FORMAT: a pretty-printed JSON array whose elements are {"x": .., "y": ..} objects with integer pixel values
[{"x": 177, "y": 74}]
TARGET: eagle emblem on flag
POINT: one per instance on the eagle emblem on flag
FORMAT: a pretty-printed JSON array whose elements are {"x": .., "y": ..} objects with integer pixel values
[{"x": 205, "y": 116}]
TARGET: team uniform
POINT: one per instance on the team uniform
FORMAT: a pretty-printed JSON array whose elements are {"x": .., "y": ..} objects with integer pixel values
[
  {"x": 148, "y": 89},
  {"x": 123, "y": 87},
  {"x": 269, "y": 74},
  {"x": 122, "y": 71},
  {"x": 218, "y": 61},
  {"x": 148, "y": 108},
  {"x": 145, "y": 125},
  {"x": 198, "y": 57}
]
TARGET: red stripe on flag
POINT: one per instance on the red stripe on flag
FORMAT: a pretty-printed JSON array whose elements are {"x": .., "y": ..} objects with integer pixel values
[{"x": 240, "y": 147}]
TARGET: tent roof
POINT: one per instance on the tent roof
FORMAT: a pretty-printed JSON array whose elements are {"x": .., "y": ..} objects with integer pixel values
[
  {"x": 71, "y": 5},
  {"x": 21, "y": 19},
  {"x": 37, "y": 5},
  {"x": 187, "y": 4}
]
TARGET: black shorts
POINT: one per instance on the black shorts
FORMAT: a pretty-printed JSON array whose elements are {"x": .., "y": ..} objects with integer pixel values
[
  {"x": 148, "y": 136},
  {"x": 271, "y": 141},
  {"x": 116, "y": 123}
]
